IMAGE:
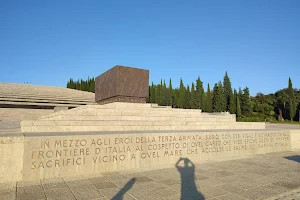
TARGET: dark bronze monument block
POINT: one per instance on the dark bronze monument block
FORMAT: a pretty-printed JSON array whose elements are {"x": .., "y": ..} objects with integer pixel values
[{"x": 122, "y": 84}]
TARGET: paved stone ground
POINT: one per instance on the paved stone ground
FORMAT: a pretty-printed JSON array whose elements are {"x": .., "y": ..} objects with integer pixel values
[{"x": 269, "y": 176}]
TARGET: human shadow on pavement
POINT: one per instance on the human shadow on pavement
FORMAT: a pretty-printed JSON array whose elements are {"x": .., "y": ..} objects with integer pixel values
[
  {"x": 295, "y": 158},
  {"x": 122, "y": 192},
  {"x": 188, "y": 186}
]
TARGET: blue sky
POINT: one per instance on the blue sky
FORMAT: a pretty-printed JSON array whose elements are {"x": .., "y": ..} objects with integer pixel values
[{"x": 48, "y": 42}]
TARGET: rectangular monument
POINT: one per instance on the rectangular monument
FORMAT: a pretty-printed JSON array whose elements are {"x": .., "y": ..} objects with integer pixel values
[{"x": 122, "y": 84}]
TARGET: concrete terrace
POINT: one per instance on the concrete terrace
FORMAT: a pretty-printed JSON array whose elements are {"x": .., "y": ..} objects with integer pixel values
[
  {"x": 267, "y": 176},
  {"x": 26, "y": 101}
]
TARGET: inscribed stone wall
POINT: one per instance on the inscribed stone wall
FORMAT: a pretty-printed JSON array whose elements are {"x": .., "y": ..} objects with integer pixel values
[{"x": 48, "y": 156}]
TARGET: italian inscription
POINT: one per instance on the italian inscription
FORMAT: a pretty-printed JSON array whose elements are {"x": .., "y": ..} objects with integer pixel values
[{"x": 58, "y": 152}]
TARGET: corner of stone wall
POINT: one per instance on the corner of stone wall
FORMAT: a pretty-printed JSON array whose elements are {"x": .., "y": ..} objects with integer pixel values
[{"x": 11, "y": 157}]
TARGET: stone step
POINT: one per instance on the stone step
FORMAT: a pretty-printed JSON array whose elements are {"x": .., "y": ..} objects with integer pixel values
[
  {"x": 50, "y": 96},
  {"x": 133, "y": 117},
  {"x": 34, "y": 100},
  {"x": 23, "y": 114},
  {"x": 118, "y": 123},
  {"x": 38, "y": 104},
  {"x": 76, "y": 128}
]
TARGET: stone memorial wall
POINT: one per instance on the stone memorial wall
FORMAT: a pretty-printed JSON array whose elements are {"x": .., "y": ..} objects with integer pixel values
[{"x": 49, "y": 156}]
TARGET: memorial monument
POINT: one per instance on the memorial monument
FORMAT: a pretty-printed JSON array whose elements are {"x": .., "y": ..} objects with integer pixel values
[
  {"x": 123, "y": 132},
  {"x": 122, "y": 84}
]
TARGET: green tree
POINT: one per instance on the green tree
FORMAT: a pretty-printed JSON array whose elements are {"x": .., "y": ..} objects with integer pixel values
[
  {"x": 171, "y": 97},
  {"x": 164, "y": 94},
  {"x": 181, "y": 94},
  {"x": 161, "y": 93},
  {"x": 176, "y": 98},
  {"x": 246, "y": 103},
  {"x": 238, "y": 107},
  {"x": 152, "y": 93},
  {"x": 192, "y": 97},
  {"x": 292, "y": 103},
  {"x": 199, "y": 93},
  {"x": 208, "y": 100},
  {"x": 219, "y": 103},
  {"x": 228, "y": 94},
  {"x": 157, "y": 94},
  {"x": 187, "y": 99},
  {"x": 233, "y": 107}
]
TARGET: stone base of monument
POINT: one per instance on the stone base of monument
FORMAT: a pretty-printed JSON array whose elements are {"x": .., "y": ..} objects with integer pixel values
[
  {"x": 134, "y": 117},
  {"x": 122, "y": 136}
]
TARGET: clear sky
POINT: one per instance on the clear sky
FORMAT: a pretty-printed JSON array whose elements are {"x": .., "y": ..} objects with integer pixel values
[{"x": 256, "y": 41}]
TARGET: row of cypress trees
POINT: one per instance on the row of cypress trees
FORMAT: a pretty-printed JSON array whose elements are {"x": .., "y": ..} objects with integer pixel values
[
  {"x": 88, "y": 85},
  {"x": 222, "y": 98}
]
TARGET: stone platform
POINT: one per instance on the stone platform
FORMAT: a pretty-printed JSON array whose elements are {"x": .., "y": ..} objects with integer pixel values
[
  {"x": 105, "y": 138},
  {"x": 134, "y": 117},
  {"x": 268, "y": 176}
]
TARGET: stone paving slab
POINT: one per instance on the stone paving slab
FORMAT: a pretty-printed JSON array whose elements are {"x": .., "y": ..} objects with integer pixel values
[{"x": 269, "y": 176}]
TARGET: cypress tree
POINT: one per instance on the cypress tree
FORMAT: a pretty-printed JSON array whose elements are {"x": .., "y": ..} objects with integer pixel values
[
  {"x": 170, "y": 94},
  {"x": 152, "y": 93},
  {"x": 228, "y": 94},
  {"x": 93, "y": 85},
  {"x": 215, "y": 99},
  {"x": 222, "y": 97},
  {"x": 202, "y": 98},
  {"x": 187, "y": 98},
  {"x": 219, "y": 103},
  {"x": 148, "y": 98},
  {"x": 175, "y": 98},
  {"x": 164, "y": 95},
  {"x": 292, "y": 103},
  {"x": 238, "y": 107},
  {"x": 161, "y": 93},
  {"x": 193, "y": 97},
  {"x": 204, "y": 103},
  {"x": 208, "y": 99},
  {"x": 198, "y": 94},
  {"x": 182, "y": 93},
  {"x": 157, "y": 94},
  {"x": 233, "y": 107},
  {"x": 246, "y": 103}
]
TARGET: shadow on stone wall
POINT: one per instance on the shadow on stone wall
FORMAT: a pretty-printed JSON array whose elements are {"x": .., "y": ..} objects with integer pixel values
[
  {"x": 295, "y": 158},
  {"x": 188, "y": 185},
  {"x": 127, "y": 186}
]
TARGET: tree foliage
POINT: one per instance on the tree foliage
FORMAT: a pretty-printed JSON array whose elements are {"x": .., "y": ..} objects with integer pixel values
[{"x": 284, "y": 104}]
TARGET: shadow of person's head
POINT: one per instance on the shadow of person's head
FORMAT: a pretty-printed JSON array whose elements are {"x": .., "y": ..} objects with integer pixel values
[
  {"x": 126, "y": 187},
  {"x": 188, "y": 186}
]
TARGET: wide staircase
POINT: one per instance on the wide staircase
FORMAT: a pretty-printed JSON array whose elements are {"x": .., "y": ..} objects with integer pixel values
[
  {"x": 133, "y": 117},
  {"x": 26, "y": 101}
]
